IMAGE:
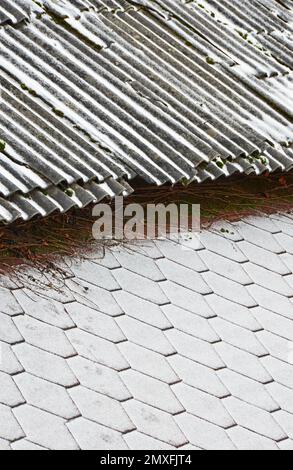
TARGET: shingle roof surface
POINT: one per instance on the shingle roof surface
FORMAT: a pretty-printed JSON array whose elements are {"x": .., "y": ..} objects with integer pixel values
[
  {"x": 160, "y": 89},
  {"x": 160, "y": 346}
]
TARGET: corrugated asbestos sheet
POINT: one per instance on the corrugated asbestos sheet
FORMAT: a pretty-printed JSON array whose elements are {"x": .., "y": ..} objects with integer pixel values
[
  {"x": 15, "y": 11},
  {"x": 95, "y": 92}
]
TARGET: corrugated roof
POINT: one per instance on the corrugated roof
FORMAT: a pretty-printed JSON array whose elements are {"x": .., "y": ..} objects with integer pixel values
[
  {"x": 44, "y": 203},
  {"x": 15, "y": 11},
  {"x": 106, "y": 90}
]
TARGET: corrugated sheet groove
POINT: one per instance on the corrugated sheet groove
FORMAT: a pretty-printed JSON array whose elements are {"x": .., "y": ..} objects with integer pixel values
[{"x": 105, "y": 90}]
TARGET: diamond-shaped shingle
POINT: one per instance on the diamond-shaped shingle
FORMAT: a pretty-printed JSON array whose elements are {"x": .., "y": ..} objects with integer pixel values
[
  {"x": 93, "y": 436},
  {"x": 101, "y": 409},
  {"x": 94, "y": 322},
  {"x": 45, "y": 429},
  {"x": 155, "y": 423}
]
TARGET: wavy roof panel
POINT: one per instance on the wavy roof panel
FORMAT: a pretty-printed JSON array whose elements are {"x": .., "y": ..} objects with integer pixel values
[{"x": 95, "y": 91}]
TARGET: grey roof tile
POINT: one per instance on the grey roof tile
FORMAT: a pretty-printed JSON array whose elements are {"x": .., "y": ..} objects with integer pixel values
[
  {"x": 233, "y": 313},
  {"x": 101, "y": 409},
  {"x": 142, "y": 310},
  {"x": 286, "y": 258},
  {"x": 187, "y": 299},
  {"x": 97, "y": 349},
  {"x": 8, "y": 303},
  {"x": 278, "y": 347},
  {"x": 285, "y": 420},
  {"x": 39, "y": 284},
  {"x": 230, "y": 290},
  {"x": 9, "y": 332},
  {"x": 284, "y": 224},
  {"x": 222, "y": 246},
  {"x": 260, "y": 238},
  {"x": 260, "y": 257},
  {"x": 46, "y": 310},
  {"x": 186, "y": 257},
  {"x": 269, "y": 280},
  {"x": 44, "y": 428},
  {"x": 95, "y": 274},
  {"x": 24, "y": 444},
  {"x": 139, "y": 264},
  {"x": 138, "y": 441},
  {"x": 146, "y": 248},
  {"x": 238, "y": 337},
  {"x": 190, "y": 447},
  {"x": 243, "y": 363},
  {"x": 94, "y": 297},
  {"x": 94, "y": 322},
  {"x": 140, "y": 286},
  {"x": 286, "y": 445},
  {"x": 106, "y": 259},
  {"x": 203, "y": 434},
  {"x": 43, "y": 336},
  {"x": 191, "y": 323},
  {"x": 10, "y": 430},
  {"x": 195, "y": 349},
  {"x": 283, "y": 395},
  {"x": 9, "y": 362},
  {"x": 152, "y": 392},
  {"x": 145, "y": 335},
  {"x": 280, "y": 371},
  {"x": 289, "y": 280},
  {"x": 203, "y": 405},
  {"x": 263, "y": 223},
  {"x": 285, "y": 241},
  {"x": 4, "y": 445},
  {"x": 148, "y": 362},
  {"x": 155, "y": 423},
  {"x": 198, "y": 376},
  {"x": 274, "y": 323},
  {"x": 183, "y": 276},
  {"x": 248, "y": 440},
  {"x": 9, "y": 393},
  {"x": 99, "y": 378},
  {"x": 248, "y": 390},
  {"x": 226, "y": 229},
  {"x": 192, "y": 241},
  {"x": 272, "y": 301},
  {"x": 225, "y": 267},
  {"x": 254, "y": 419},
  {"x": 93, "y": 436},
  {"x": 46, "y": 396},
  {"x": 45, "y": 365}
]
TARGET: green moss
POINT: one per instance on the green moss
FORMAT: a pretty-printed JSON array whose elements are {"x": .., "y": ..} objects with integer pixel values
[
  {"x": 185, "y": 182},
  {"x": 264, "y": 161},
  {"x": 243, "y": 35},
  {"x": 58, "y": 112},
  {"x": 29, "y": 90},
  {"x": 220, "y": 163},
  {"x": 2, "y": 146},
  {"x": 69, "y": 192},
  {"x": 210, "y": 61}
]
